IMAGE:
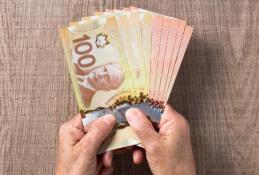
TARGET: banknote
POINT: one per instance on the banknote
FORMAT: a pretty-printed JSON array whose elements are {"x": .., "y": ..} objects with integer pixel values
[
  {"x": 137, "y": 47},
  {"x": 67, "y": 52},
  {"x": 156, "y": 35},
  {"x": 124, "y": 27},
  {"x": 124, "y": 58},
  {"x": 98, "y": 68},
  {"x": 132, "y": 140},
  {"x": 132, "y": 30},
  {"x": 180, "y": 32},
  {"x": 183, "y": 46},
  {"x": 134, "y": 65},
  {"x": 161, "y": 56},
  {"x": 162, "y": 78},
  {"x": 99, "y": 63},
  {"x": 145, "y": 26},
  {"x": 171, "y": 40},
  {"x": 146, "y": 20}
]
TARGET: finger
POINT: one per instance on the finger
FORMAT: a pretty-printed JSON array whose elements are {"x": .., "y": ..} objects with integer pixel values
[
  {"x": 169, "y": 114},
  {"x": 141, "y": 126},
  {"x": 107, "y": 159},
  {"x": 76, "y": 135},
  {"x": 70, "y": 135},
  {"x": 77, "y": 122},
  {"x": 138, "y": 155},
  {"x": 106, "y": 171},
  {"x": 170, "y": 121},
  {"x": 97, "y": 132}
]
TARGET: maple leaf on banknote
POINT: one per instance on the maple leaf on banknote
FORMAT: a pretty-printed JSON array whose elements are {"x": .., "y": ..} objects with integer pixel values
[{"x": 101, "y": 40}]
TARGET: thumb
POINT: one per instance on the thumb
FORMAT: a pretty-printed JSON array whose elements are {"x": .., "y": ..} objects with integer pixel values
[
  {"x": 141, "y": 126},
  {"x": 97, "y": 132}
]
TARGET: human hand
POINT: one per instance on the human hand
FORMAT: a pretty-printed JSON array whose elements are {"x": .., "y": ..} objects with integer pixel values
[
  {"x": 78, "y": 146},
  {"x": 169, "y": 151}
]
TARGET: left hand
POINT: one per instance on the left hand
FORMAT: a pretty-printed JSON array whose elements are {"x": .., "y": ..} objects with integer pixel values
[{"x": 78, "y": 147}]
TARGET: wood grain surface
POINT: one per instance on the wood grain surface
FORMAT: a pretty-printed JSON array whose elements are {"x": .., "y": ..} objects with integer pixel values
[{"x": 217, "y": 88}]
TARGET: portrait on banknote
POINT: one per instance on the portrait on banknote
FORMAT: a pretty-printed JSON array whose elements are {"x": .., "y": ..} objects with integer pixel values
[{"x": 97, "y": 67}]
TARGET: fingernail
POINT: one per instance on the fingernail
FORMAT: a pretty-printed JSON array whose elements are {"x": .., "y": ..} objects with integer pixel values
[
  {"x": 108, "y": 119},
  {"x": 132, "y": 116},
  {"x": 110, "y": 160}
]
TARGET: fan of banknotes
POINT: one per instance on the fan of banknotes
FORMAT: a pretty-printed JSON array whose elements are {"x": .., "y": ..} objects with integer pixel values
[{"x": 119, "y": 59}]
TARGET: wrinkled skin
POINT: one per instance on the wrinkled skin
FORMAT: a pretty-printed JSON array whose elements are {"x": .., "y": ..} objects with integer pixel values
[
  {"x": 78, "y": 147},
  {"x": 168, "y": 151}
]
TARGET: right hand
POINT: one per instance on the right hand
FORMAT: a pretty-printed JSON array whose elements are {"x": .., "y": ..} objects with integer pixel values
[{"x": 169, "y": 151}]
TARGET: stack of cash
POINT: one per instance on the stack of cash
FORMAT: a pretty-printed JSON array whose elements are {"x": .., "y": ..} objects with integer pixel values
[{"x": 119, "y": 59}]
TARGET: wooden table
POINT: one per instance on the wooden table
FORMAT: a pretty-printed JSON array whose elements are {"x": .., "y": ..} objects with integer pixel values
[{"x": 217, "y": 88}]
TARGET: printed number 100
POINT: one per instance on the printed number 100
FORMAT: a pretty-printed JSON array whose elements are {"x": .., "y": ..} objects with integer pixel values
[{"x": 83, "y": 48}]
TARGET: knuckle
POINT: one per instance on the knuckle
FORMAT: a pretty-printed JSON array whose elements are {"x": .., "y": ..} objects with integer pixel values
[
  {"x": 153, "y": 147},
  {"x": 86, "y": 152},
  {"x": 62, "y": 129},
  {"x": 86, "y": 147},
  {"x": 89, "y": 143},
  {"x": 98, "y": 129},
  {"x": 141, "y": 131},
  {"x": 180, "y": 122},
  {"x": 77, "y": 134},
  {"x": 184, "y": 125}
]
